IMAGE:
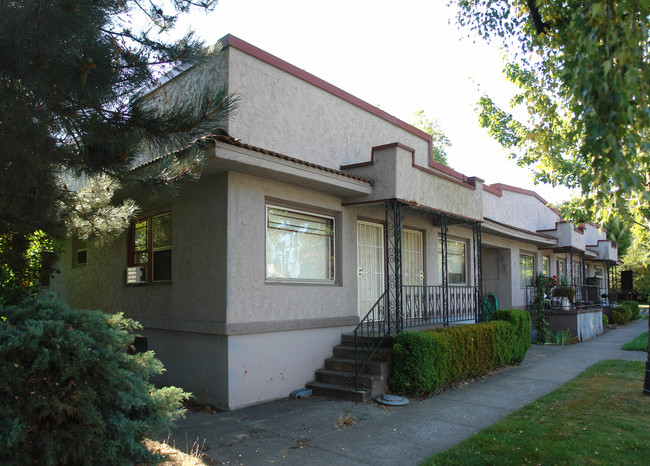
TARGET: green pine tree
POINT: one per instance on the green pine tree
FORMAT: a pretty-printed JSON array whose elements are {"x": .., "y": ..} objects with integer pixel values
[{"x": 72, "y": 74}]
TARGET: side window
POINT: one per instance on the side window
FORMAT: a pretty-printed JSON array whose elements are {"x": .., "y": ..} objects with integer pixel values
[
  {"x": 526, "y": 270},
  {"x": 150, "y": 245},
  {"x": 456, "y": 262},
  {"x": 80, "y": 247},
  {"x": 299, "y": 246},
  {"x": 546, "y": 266}
]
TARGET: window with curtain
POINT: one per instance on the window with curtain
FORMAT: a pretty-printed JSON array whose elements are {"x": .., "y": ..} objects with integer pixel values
[
  {"x": 526, "y": 270},
  {"x": 456, "y": 262},
  {"x": 299, "y": 246}
]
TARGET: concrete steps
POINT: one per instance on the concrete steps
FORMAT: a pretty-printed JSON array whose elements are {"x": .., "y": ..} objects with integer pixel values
[{"x": 337, "y": 379}]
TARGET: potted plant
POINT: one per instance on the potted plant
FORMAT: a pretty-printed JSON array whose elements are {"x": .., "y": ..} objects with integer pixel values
[{"x": 566, "y": 292}]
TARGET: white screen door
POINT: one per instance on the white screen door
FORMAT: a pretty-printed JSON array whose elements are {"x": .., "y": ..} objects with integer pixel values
[{"x": 370, "y": 264}]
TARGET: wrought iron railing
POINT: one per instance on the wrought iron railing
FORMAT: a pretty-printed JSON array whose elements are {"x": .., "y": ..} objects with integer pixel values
[
  {"x": 423, "y": 305},
  {"x": 584, "y": 296},
  {"x": 371, "y": 333}
]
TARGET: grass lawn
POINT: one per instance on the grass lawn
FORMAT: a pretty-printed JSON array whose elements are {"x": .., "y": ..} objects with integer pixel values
[
  {"x": 640, "y": 343},
  {"x": 600, "y": 417}
]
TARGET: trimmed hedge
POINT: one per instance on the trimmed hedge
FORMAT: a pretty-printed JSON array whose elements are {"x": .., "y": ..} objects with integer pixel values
[
  {"x": 621, "y": 315},
  {"x": 633, "y": 306},
  {"x": 426, "y": 361}
]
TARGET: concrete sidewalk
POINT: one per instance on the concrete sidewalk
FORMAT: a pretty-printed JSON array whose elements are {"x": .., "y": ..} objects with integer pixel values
[{"x": 309, "y": 431}]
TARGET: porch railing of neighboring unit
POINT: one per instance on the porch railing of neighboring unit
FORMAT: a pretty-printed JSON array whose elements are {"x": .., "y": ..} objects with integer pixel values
[
  {"x": 424, "y": 305},
  {"x": 421, "y": 306},
  {"x": 585, "y": 296}
]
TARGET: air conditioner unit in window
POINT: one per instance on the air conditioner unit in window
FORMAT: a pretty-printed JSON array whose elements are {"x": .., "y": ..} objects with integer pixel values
[{"x": 136, "y": 275}]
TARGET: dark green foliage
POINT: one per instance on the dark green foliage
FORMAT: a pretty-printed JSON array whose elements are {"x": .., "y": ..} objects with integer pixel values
[
  {"x": 421, "y": 362},
  {"x": 605, "y": 321},
  {"x": 621, "y": 314},
  {"x": 70, "y": 393},
  {"x": 426, "y": 361},
  {"x": 18, "y": 281},
  {"x": 72, "y": 74},
  {"x": 633, "y": 306},
  {"x": 520, "y": 319}
]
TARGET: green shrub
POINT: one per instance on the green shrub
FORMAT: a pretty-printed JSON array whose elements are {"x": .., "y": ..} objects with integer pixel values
[
  {"x": 521, "y": 321},
  {"x": 621, "y": 314},
  {"x": 426, "y": 361},
  {"x": 634, "y": 307},
  {"x": 70, "y": 393},
  {"x": 421, "y": 362},
  {"x": 605, "y": 321}
]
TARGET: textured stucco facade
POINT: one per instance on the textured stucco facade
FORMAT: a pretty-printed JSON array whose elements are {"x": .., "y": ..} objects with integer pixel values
[{"x": 227, "y": 332}]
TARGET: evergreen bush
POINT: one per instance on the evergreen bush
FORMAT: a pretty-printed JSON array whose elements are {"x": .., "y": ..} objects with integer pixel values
[
  {"x": 634, "y": 307},
  {"x": 70, "y": 393},
  {"x": 426, "y": 361},
  {"x": 605, "y": 321},
  {"x": 621, "y": 314}
]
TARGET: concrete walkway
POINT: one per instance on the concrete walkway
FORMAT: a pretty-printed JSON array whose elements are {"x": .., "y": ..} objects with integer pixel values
[{"x": 310, "y": 431}]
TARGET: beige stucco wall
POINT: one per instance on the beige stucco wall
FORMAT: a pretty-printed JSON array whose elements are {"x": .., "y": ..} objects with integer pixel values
[
  {"x": 270, "y": 366},
  {"x": 396, "y": 177},
  {"x": 198, "y": 286},
  {"x": 283, "y": 113},
  {"x": 519, "y": 210},
  {"x": 253, "y": 300},
  {"x": 569, "y": 236}
]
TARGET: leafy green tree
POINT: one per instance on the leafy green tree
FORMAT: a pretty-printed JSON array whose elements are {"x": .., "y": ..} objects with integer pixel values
[
  {"x": 20, "y": 281},
  {"x": 582, "y": 71},
  {"x": 440, "y": 140},
  {"x": 72, "y": 78}
]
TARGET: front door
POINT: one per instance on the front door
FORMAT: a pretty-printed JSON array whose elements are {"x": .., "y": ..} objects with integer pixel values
[{"x": 370, "y": 265}]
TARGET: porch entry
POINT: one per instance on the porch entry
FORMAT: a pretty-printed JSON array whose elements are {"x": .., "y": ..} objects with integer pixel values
[
  {"x": 371, "y": 260},
  {"x": 391, "y": 291}
]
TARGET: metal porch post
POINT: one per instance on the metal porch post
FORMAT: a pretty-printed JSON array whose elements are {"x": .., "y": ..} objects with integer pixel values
[
  {"x": 478, "y": 272},
  {"x": 393, "y": 237},
  {"x": 445, "y": 272}
]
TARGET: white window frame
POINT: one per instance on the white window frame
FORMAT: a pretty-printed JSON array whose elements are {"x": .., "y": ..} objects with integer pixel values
[{"x": 316, "y": 214}]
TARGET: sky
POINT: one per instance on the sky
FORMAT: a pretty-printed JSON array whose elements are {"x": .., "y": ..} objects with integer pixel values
[{"x": 401, "y": 55}]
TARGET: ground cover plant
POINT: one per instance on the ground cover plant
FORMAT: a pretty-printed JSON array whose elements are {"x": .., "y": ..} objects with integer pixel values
[
  {"x": 600, "y": 417},
  {"x": 640, "y": 343}
]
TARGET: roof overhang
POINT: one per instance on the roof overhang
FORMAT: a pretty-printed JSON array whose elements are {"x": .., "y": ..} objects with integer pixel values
[
  {"x": 499, "y": 229},
  {"x": 254, "y": 161}
]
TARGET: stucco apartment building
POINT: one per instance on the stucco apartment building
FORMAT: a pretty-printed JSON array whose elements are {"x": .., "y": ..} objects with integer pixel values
[{"x": 312, "y": 207}]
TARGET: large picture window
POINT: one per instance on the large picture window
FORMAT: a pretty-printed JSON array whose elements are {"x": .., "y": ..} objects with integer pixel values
[
  {"x": 526, "y": 270},
  {"x": 456, "y": 262},
  {"x": 299, "y": 246},
  {"x": 150, "y": 242}
]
